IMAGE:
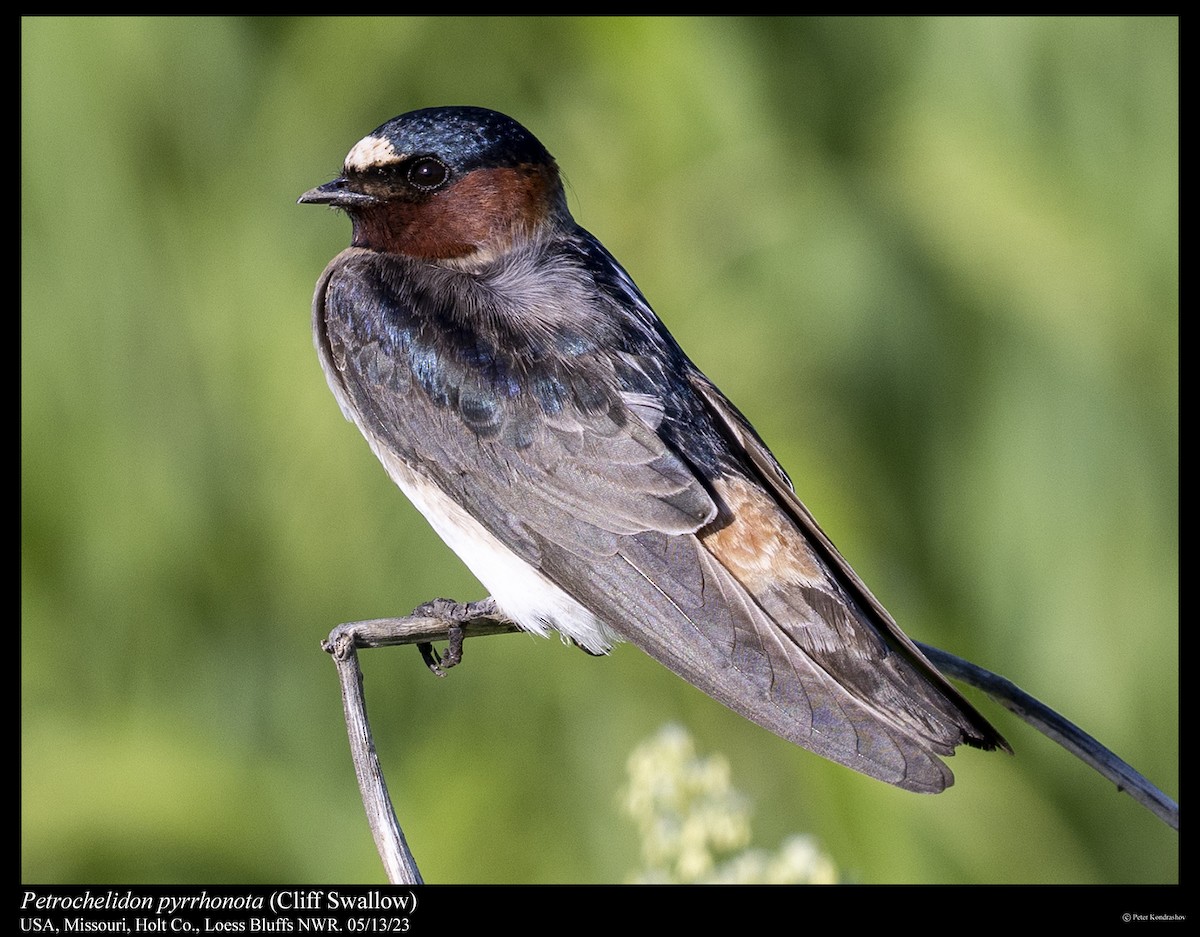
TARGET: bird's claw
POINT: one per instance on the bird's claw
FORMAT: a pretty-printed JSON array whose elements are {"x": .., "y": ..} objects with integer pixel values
[{"x": 455, "y": 615}]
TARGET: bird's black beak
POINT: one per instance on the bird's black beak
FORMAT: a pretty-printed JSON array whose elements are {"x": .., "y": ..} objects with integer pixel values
[{"x": 336, "y": 193}]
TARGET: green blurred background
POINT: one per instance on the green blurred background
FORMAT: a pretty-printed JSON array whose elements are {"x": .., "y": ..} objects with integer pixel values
[{"x": 934, "y": 260}]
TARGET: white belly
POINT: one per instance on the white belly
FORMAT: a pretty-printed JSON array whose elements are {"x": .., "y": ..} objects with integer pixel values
[{"x": 521, "y": 592}]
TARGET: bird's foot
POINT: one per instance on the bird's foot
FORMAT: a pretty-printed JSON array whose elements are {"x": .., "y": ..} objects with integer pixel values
[{"x": 456, "y": 616}]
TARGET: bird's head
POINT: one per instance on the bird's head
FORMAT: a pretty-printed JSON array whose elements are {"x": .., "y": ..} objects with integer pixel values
[{"x": 455, "y": 184}]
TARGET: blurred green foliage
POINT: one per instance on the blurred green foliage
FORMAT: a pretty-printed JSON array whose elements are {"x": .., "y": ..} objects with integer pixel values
[{"x": 934, "y": 260}]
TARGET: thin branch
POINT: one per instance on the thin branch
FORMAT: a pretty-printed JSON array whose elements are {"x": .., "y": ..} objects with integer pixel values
[
  {"x": 1061, "y": 730},
  {"x": 398, "y": 861},
  {"x": 426, "y": 624},
  {"x": 436, "y": 621}
]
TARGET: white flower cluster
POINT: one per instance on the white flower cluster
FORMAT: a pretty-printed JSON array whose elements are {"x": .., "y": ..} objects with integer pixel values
[{"x": 692, "y": 822}]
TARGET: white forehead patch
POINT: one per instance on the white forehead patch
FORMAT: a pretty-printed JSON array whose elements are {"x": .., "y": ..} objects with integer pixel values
[{"x": 370, "y": 152}]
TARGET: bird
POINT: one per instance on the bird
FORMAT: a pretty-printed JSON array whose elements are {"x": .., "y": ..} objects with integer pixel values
[{"x": 517, "y": 386}]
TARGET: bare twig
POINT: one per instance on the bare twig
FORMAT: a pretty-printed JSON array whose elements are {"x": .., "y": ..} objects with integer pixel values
[
  {"x": 431, "y": 622},
  {"x": 1061, "y": 730},
  {"x": 393, "y": 849},
  {"x": 443, "y": 619},
  {"x": 438, "y": 620}
]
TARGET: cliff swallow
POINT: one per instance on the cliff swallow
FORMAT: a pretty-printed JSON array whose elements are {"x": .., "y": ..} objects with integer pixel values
[{"x": 517, "y": 386}]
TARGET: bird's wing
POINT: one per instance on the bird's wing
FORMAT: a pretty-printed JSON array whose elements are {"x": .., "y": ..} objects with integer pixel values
[
  {"x": 723, "y": 579},
  {"x": 847, "y": 590}
]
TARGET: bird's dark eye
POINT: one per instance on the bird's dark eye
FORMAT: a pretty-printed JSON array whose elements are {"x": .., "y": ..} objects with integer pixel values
[{"x": 427, "y": 173}]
